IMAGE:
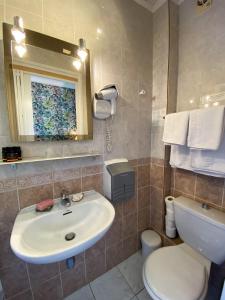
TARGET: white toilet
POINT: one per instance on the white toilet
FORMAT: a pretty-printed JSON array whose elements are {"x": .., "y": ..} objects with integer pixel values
[{"x": 181, "y": 272}]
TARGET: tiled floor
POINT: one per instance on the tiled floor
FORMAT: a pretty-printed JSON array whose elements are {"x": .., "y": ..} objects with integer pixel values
[{"x": 124, "y": 282}]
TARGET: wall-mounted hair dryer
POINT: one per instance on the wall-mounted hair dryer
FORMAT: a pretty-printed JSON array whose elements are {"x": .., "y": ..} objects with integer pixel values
[{"x": 104, "y": 104}]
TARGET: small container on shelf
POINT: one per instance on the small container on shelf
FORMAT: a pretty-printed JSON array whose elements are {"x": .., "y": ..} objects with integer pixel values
[{"x": 11, "y": 154}]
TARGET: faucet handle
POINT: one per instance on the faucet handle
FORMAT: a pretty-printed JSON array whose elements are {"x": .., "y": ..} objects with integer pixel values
[
  {"x": 64, "y": 194},
  {"x": 205, "y": 206}
]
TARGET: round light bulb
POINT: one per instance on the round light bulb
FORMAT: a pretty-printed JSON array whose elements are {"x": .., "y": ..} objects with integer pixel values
[
  {"x": 18, "y": 35},
  {"x": 82, "y": 53},
  {"x": 21, "y": 50},
  {"x": 99, "y": 30},
  {"x": 17, "y": 30},
  {"x": 77, "y": 64}
]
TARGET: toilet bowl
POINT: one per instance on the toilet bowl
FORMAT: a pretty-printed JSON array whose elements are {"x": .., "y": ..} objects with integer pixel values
[
  {"x": 175, "y": 273},
  {"x": 181, "y": 272}
]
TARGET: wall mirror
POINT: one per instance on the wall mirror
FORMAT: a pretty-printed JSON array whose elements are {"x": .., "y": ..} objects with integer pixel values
[{"x": 48, "y": 97}]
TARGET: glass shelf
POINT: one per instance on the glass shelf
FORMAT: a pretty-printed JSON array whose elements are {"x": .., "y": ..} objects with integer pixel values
[{"x": 39, "y": 159}]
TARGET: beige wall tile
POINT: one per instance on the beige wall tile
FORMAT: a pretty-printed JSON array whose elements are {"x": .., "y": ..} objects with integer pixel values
[
  {"x": 50, "y": 289},
  {"x": 31, "y": 21},
  {"x": 73, "y": 279},
  {"x": 32, "y": 6},
  {"x": 59, "y": 29},
  {"x": 9, "y": 209},
  {"x": 209, "y": 189},
  {"x": 72, "y": 186},
  {"x": 200, "y": 66},
  {"x": 185, "y": 181},
  {"x": 33, "y": 195},
  {"x": 14, "y": 279},
  {"x": 1, "y": 19}
]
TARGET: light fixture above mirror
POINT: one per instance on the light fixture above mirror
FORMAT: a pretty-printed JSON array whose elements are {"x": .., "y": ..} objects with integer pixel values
[
  {"x": 77, "y": 63},
  {"x": 82, "y": 51},
  {"x": 18, "y": 29},
  {"x": 19, "y": 36}
]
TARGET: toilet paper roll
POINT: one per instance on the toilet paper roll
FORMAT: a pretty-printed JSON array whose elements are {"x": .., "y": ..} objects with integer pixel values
[
  {"x": 169, "y": 202},
  {"x": 171, "y": 232},
  {"x": 170, "y": 222},
  {"x": 170, "y": 214}
]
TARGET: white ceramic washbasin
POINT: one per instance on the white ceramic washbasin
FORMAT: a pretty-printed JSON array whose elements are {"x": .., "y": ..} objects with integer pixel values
[{"x": 39, "y": 238}]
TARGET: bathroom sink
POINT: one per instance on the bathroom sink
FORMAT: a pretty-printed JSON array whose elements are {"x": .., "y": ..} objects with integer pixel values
[{"x": 46, "y": 237}]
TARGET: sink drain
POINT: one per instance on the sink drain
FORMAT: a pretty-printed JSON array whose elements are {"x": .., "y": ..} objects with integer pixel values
[{"x": 70, "y": 236}]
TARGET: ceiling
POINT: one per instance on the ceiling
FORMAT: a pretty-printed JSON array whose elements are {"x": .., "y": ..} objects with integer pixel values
[{"x": 153, "y": 5}]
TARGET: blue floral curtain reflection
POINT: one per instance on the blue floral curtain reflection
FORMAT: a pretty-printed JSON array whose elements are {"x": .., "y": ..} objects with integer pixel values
[{"x": 54, "y": 110}]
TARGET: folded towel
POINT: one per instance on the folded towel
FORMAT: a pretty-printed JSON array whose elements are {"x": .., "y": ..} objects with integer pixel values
[
  {"x": 209, "y": 160},
  {"x": 206, "y": 128},
  {"x": 180, "y": 157},
  {"x": 196, "y": 161},
  {"x": 176, "y": 128}
]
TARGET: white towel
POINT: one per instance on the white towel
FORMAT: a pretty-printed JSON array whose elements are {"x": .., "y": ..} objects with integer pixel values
[
  {"x": 209, "y": 160},
  {"x": 180, "y": 157},
  {"x": 197, "y": 161},
  {"x": 176, "y": 128},
  {"x": 206, "y": 128}
]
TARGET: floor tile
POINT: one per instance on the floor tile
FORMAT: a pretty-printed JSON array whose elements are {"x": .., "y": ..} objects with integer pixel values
[
  {"x": 82, "y": 294},
  {"x": 131, "y": 269},
  {"x": 111, "y": 286},
  {"x": 143, "y": 295}
]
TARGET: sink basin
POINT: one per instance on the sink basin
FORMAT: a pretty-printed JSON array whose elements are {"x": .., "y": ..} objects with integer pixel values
[{"x": 41, "y": 238}]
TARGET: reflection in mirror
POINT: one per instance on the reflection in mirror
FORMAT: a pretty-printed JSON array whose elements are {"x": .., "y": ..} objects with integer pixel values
[{"x": 49, "y": 93}]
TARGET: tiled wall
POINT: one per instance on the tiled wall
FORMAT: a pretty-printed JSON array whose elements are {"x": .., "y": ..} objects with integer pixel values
[
  {"x": 202, "y": 188},
  {"x": 173, "y": 57},
  {"x": 201, "y": 53},
  {"x": 159, "y": 78},
  {"x": 116, "y": 57},
  {"x": 54, "y": 281},
  {"x": 157, "y": 193},
  {"x": 160, "y": 183}
]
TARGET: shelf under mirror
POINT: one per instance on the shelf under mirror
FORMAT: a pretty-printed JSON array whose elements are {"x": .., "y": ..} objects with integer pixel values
[{"x": 39, "y": 159}]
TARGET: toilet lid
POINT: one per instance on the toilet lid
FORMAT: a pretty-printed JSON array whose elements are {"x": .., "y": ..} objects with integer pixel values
[{"x": 172, "y": 274}]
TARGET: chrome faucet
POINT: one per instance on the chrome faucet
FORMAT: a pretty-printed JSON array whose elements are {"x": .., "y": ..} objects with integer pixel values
[{"x": 65, "y": 199}]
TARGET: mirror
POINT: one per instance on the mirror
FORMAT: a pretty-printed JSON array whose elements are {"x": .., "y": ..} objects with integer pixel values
[{"x": 48, "y": 97}]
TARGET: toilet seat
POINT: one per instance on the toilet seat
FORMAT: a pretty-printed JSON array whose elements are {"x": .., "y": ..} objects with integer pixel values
[{"x": 171, "y": 273}]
